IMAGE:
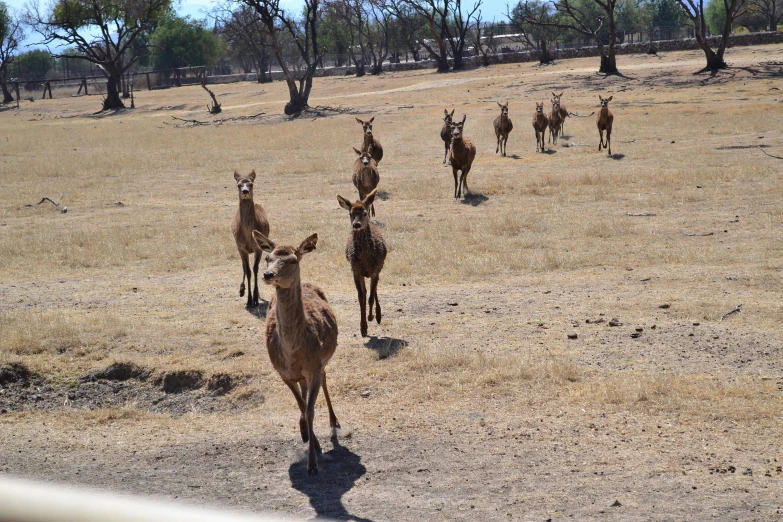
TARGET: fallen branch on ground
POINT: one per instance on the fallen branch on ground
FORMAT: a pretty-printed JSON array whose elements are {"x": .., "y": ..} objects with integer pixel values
[
  {"x": 53, "y": 202},
  {"x": 196, "y": 123},
  {"x": 215, "y": 109},
  {"x": 768, "y": 154},
  {"x": 735, "y": 311},
  {"x": 579, "y": 115},
  {"x": 640, "y": 214},
  {"x": 701, "y": 234}
]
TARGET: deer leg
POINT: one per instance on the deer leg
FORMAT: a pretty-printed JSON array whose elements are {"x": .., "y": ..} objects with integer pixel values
[
  {"x": 361, "y": 289},
  {"x": 464, "y": 180},
  {"x": 374, "y": 297},
  {"x": 498, "y": 146},
  {"x": 255, "y": 273},
  {"x": 246, "y": 275},
  {"x": 609, "y": 140},
  {"x": 301, "y": 402},
  {"x": 332, "y": 417},
  {"x": 372, "y": 210},
  {"x": 505, "y": 145},
  {"x": 313, "y": 386},
  {"x": 600, "y": 139},
  {"x": 456, "y": 182}
]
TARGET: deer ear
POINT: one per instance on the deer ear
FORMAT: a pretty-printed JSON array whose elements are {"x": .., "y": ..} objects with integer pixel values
[
  {"x": 368, "y": 201},
  {"x": 357, "y": 151},
  {"x": 307, "y": 246},
  {"x": 371, "y": 119},
  {"x": 554, "y": 95},
  {"x": 610, "y": 98},
  {"x": 452, "y": 112},
  {"x": 464, "y": 117},
  {"x": 599, "y": 97},
  {"x": 344, "y": 202},
  {"x": 499, "y": 104},
  {"x": 445, "y": 112},
  {"x": 560, "y": 95},
  {"x": 263, "y": 242},
  {"x": 360, "y": 121},
  {"x": 252, "y": 175},
  {"x": 237, "y": 176}
]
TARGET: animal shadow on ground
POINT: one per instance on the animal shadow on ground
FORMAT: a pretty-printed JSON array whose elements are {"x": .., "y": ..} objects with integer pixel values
[
  {"x": 550, "y": 152},
  {"x": 617, "y": 156},
  {"x": 385, "y": 346},
  {"x": 515, "y": 156},
  {"x": 260, "y": 310},
  {"x": 338, "y": 471},
  {"x": 382, "y": 195},
  {"x": 474, "y": 199}
]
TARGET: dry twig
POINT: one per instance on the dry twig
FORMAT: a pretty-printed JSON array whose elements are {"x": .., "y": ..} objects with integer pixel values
[
  {"x": 768, "y": 154},
  {"x": 579, "y": 115},
  {"x": 691, "y": 234},
  {"x": 53, "y": 202},
  {"x": 640, "y": 214},
  {"x": 735, "y": 311}
]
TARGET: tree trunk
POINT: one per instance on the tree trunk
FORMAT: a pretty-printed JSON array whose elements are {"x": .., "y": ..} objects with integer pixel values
[
  {"x": 7, "y": 96},
  {"x": 112, "y": 100},
  {"x": 443, "y": 58},
  {"x": 608, "y": 64},
  {"x": 773, "y": 26},
  {"x": 544, "y": 56}
]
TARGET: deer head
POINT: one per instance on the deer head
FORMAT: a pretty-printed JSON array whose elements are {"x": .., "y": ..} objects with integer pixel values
[
  {"x": 540, "y": 108},
  {"x": 359, "y": 211},
  {"x": 282, "y": 263},
  {"x": 448, "y": 117},
  {"x": 366, "y": 125},
  {"x": 503, "y": 108},
  {"x": 456, "y": 128},
  {"x": 364, "y": 156},
  {"x": 605, "y": 101},
  {"x": 245, "y": 184}
]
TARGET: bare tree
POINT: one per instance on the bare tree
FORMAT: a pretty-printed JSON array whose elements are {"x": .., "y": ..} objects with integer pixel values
[
  {"x": 767, "y": 9},
  {"x": 694, "y": 9},
  {"x": 246, "y": 36},
  {"x": 303, "y": 32},
  {"x": 102, "y": 31},
  {"x": 435, "y": 15},
  {"x": 353, "y": 15},
  {"x": 534, "y": 25},
  {"x": 10, "y": 36},
  {"x": 483, "y": 39}
]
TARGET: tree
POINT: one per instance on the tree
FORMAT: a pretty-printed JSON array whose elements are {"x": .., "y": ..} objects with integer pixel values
[
  {"x": 102, "y": 31},
  {"x": 304, "y": 33},
  {"x": 247, "y": 38},
  {"x": 183, "y": 42},
  {"x": 34, "y": 64},
  {"x": 767, "y": 9},
  {"x": 349, "y": 21},
  {"x": 694, "y": 10},
  {"x": 585, "y": 17},
  {"x": 535, "y": 23},
  {"x": 10, "y": 36}
]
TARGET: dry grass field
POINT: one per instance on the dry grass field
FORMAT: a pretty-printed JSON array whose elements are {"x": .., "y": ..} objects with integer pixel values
[{"x": 470, "y": 401}]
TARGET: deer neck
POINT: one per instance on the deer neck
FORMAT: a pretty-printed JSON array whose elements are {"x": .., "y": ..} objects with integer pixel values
[
  {"x": 247, "y": 211},
  {"x": 362, "y": 235},
  {"x": 367, "y": 141},
  {"x": 458, "y": 143},
  {"x": 290, "y": 315}
]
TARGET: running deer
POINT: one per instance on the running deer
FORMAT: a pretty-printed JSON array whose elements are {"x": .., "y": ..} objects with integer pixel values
[
  {"x": 462, "y": 153},
  {"x": 249, "y": 217},
  {"x": 604, "y": 120},
  {"x": 301, "y": 335},
  {"x": 563, "y": 112},
  {"x": 503, "y": 127},
  {"x": 366, "y": 252},
  {"x": 554, "y": 122},
  {"x": 370, "y": 144},
  {"x": 365, "y": 175},
  {"x": 540, "y": 124},
  {"x": 445, "y": 132}
]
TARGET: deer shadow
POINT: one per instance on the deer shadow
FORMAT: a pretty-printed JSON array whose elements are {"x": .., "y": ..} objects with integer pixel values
[
  {"x": 339, "y": 469},
  {"x": 548, "y": 152},
  {"x": 382, "y": 195},
  {"x": 259, "y": 310},
  {"x": 473, "y": 199},
  {"x": 385, "y": 346},
  {"x": 617, "y": 156},
  {"x": 514, "y": 156}
]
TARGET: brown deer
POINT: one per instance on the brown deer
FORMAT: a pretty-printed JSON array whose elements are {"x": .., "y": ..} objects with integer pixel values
[
  {"x": 554, "y": 122},
  {"x": 462, "y": 153},
  {"x": 370, "y": 144},
  {"x": 365, "y": 175},
  {"x": 445, "y": 132},
  {"x": 249, "y": 217},
  {"x": 301, "y": 335},
  {"x": 366, "y": 252},
  {"x": 604, "y": 120},
  {"x": 563, "y": 112},
  {"x": 540, "y": 124},
  {"x": 503, "y": 127}
]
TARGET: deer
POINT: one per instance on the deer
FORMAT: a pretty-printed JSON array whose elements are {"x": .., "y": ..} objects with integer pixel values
[
  {"x": 249, "y": 217},
  {"x": 445, "y": 132},
  {"x": 301, "y": 335},
  {"x": 563, "y": 112},
  {"x": 503, "y": 127},
  {"x": 365, "y": 175},
  {"x": 462, "y": 153},
  {"x": 604, "y": 120},
  {"x": 540, "y": 124},
  {"x": 366, "y": 253},
  {"x": 370, "y": 144},
  {"x": 555, "y": 123}
]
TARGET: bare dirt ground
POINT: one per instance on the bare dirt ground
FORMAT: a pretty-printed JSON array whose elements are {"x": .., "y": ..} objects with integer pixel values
[{"x": 557, "y": 346}]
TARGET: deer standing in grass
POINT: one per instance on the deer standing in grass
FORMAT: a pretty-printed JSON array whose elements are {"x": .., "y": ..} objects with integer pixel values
[
  {"x": 554, "y": 122},
  {"x": 365, "y": 175},
  {"x": 249, "y": 217},
  {"x": 370, "y": 144},
  {"x": 503, "y": 127},
  {"x": 540, "y": 124},
  {"x": 366, "y": 252},
  {"x": 445, "y": 132},
  {"x": 462, "y": 153},
  {"x": 604, "y": 120},
  {"x": 301, "y": 335},
  {"x": 562, "y": 111}
]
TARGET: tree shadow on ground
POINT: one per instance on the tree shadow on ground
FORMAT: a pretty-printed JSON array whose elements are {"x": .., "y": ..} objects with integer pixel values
[
  {"x": 338, "y": 471},
  {"x": 474, "y": 199},
  {"x": 385, "y": 346},
  {"x": 260, "y": 310},
  {"x": 382, "y": 195},
  {"x": 618, "y": 74}
]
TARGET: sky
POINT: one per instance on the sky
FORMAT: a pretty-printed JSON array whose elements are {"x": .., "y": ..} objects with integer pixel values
[{"x": 491, "y": 9}]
